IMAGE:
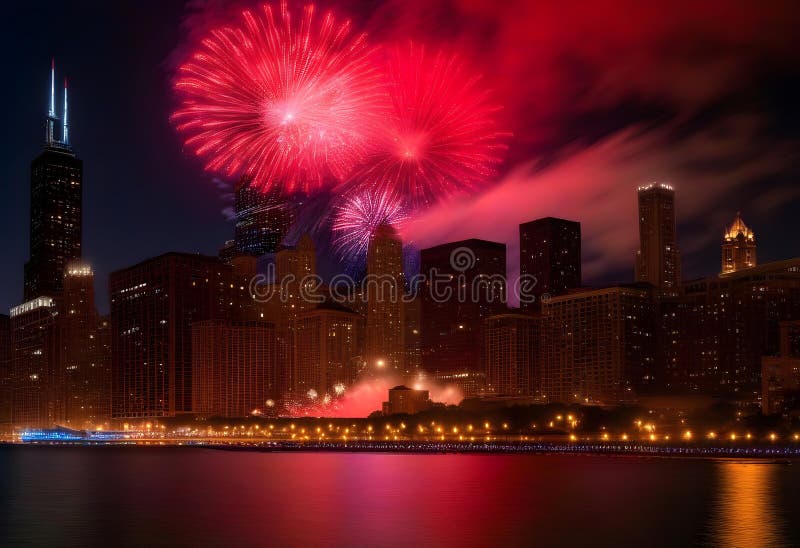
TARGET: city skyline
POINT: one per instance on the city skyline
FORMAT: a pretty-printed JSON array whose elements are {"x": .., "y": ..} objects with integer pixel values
[{"x": 185, "y": 214}]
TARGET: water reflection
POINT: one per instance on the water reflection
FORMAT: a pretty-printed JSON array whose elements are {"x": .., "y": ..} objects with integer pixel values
[{"x": 746, "y": 509}]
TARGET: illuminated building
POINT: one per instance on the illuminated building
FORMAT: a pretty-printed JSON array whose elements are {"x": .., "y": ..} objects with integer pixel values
[
  {"x": 153, "y": 305},
  {"x": 262, "y": 217},
  {"x": 597, "y": 345},
  {"x": 294, "y": 292},
  {"x": 738, "y": 247},
  {"x": 725, "y": 324},
  {"x": 80, "y": 357},
  {"x": 5, "y": 373},
  {"x": 512, "y": 355},
  {"x": 233, "y": 367},
  {"x": 465, "y": 284},
  {"x": 326, "y": 350},
  {"x": 658, "y": 260},
  {"x": 56, "y": 204},
  {"x": 384, "y": 342},
  {"x": 412, "y": 310},
  {"x": 780, "y": 375},
  {"x": 550, "y": 251},
  {"x": 37, "y": 399},
  {"x": 405, "y": 400}
]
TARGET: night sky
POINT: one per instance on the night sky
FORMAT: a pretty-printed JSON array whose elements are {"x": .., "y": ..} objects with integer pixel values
[{"x": 600, "y": 98}]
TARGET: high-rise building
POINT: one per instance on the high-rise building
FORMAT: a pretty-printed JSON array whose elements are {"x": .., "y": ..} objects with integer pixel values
[
  {"x": 412, "y": 309},
  {"x": 80, "y": 357},
  {"x": 465, "y": 283},
  {"x": 780, "y": 375},
  {"x": 56, "y": 205},
  {"x": 725, "y": 324},
  {"x": 738, "y": 247},
  {"x": 597, "y": 345},
  {"x": 37, "y": 399},
  {"x": 384, "y": 342},
  {"x": 262, "y": 219},
  {"x": 658, "y": 260},
  {"x": 234, "y": 367},
  {"x": 294, "y": 293},
  {"x": 153, "y": 305},
  {"x": 5, "y": 374},
  {"x": 326, "y": 351},
  {"x": 512, "y": 355},
  {"x": 550, "y": 251}
]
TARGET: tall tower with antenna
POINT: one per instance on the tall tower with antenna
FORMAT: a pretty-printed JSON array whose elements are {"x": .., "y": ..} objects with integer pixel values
[{"x": 56, "y": 205}]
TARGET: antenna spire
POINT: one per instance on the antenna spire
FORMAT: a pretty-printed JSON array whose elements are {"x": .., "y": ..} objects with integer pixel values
[
  {"x": 65, "y": 138},
  {"x": 52, "y": 112}
]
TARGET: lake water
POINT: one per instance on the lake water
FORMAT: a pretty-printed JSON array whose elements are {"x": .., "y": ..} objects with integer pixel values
[{"x": 189, "y": 496}]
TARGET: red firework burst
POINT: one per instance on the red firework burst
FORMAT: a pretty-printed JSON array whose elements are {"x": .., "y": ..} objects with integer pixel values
[
  {"x": 443, "y": 137},
  {"x": 280, "y": 101},
  {"x": 359, "y": 216}
]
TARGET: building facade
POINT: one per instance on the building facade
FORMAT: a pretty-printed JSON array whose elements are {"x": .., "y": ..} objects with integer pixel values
[
  {"x": 738, "y": 247},
  {"x": 658, "y": 260},
  {"x": 385, "y": 288},
  {"x": 780, "y": 375},
  {"x": 550, "y": 253},
  {"x": 153, "y": 305},
  {"x": 263, "y": 217},
  {"x": 407, "y": 401},
  {"x": 56, "y": 208},
  {"x": 597, "y": 345},
  {"x": 512, "y": 349},
  {"x": 326, "y": 351},
  {"x": 465, "y": 283},
  {"x": 234, "y": 366}
]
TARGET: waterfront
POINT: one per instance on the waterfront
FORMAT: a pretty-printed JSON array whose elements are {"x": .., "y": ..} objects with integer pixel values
[{"x": 77, "y": 495}]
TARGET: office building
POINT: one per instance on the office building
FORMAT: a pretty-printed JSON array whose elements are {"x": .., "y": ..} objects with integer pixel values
[
  {"x": 153, "y": 305},
  {"x": 55, "y": 207},
  {"x": 326, "y": 351},
  {"x": 512, "y": 355},
  {"x": 385, "y": 331},
  {"x": 658, "y": 260},
  {"x": 234, "y": 365},
  {"x": 465, "y": 284},
  {"x": 407, "y": 401},
  {"x": 550, "y": 253},
  {"x": 597, "y": 345},
  {"x": 780, "y": 374}
]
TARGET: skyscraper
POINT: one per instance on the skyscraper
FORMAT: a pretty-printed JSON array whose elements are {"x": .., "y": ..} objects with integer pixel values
[
  {"x": 738, "y": 247},
  {"x": 550, "y": 251},
  {"x": 87, "y": 378},
  {"x": 597, "y": 345},
  {"x": 37, "y": 380},
  {"x": 465, "y": 284},
  {"x": 263, "y": 217},
  {"x": 384, "y": 343},
  {"x": 658, "y": 260},
  {"x": 153, "y": 305},
  {"x": 56, "y": 196},
  {"x": 326, "y": 350}
]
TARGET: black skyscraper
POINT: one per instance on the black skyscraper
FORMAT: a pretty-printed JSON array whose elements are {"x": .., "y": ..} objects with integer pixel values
[
  {"x": 263, "y": 217},
  {"x": 55, "y": 232},
  {"x": 550, "y": 250}
]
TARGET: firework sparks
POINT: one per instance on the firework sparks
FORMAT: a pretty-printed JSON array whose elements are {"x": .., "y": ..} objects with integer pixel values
[
  {"x": 443, "y": 137},
  {"x": 280, "y": 101},
  {"x": 357, "y": 218}
]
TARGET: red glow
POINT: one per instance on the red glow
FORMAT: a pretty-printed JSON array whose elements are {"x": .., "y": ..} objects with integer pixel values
[{"x": 280, "y": 100}]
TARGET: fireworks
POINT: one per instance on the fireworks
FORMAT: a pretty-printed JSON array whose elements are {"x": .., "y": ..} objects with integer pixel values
[
  {"x": 359, "y": 216},
  {"x": 442, "y": 138},
  {"x": 281, "y": 101}
]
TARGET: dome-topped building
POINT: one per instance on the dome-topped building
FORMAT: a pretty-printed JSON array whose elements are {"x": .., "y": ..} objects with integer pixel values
[{"x": 738, "y": 247}]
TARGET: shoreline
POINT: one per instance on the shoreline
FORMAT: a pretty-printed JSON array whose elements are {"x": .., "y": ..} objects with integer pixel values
[{"x": 761, "y": 453}]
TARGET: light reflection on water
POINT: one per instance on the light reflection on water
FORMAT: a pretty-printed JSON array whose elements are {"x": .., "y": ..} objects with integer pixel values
[{"x": 746, "y": 511}]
